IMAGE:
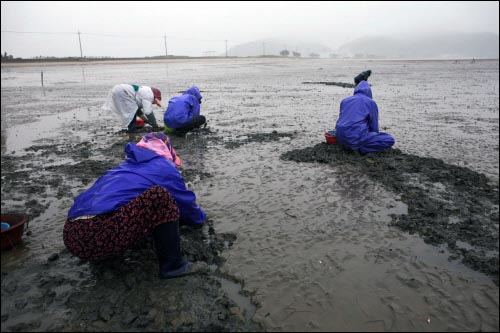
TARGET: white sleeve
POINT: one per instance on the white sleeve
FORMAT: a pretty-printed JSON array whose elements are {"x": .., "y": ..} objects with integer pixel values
[
  {"x": 147, "y": 106},
  {"x": 146, "y": 97}
]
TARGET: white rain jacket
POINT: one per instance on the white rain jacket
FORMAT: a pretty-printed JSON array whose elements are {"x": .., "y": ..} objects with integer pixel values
[{"x": 125, "y": 101}]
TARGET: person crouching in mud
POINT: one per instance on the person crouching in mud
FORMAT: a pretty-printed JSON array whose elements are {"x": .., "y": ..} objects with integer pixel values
[
  {"x": 130, "y": 101},
  {"x": 183, "y": 113},
  {"x": 144, "y": 194},
  {"x": 357, "y": 126}
]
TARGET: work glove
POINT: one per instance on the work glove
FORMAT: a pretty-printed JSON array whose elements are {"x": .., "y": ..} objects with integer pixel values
[
  {"x": 152, "y": 120},
  {"x": 139, "y": 112}
]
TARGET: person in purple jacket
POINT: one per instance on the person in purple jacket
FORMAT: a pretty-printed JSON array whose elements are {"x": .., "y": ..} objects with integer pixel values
[
  {"x": 183, "y": 113},
  {"x": 144, "y": 194},
  {"x": 357, "y": 125}
]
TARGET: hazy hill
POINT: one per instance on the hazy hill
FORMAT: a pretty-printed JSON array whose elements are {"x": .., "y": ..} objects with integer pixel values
[
  {"x": 275, "y": 46},
  {"x": 451, "y": 45}
]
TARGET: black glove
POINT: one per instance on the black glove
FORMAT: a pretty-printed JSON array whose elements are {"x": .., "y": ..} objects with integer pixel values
[
  {"x": 152, "y": 120},
  {"x": 139, "y": 113},
  {"x": 363, "y": 76}
]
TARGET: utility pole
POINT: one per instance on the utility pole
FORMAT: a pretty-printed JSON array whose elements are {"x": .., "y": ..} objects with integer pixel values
[
  {"x": 226, "y": 48},
  {"x": 264, "y": 47},
  {"x": 165, "y": 39},
  {"x": 80, "y": 40}
]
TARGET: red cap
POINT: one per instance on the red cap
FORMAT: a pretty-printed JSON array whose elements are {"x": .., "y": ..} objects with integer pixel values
[{"x": 156, "y": 93}]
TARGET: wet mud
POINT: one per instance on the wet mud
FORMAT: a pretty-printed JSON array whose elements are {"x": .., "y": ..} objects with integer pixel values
[
  {"x": 63, "y": 293},
  {"x": 125, "y": 294},
  {"x": 339, "y": 84},
  {"x": 301, "y": 236},
  {"x": 238, "y": 141},
  {"x": 447, "y": 204}
]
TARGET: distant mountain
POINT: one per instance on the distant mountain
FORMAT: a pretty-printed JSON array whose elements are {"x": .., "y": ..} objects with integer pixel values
[
  {"x": 275, "y": 46},
  {"x": 440, "y": 46}
]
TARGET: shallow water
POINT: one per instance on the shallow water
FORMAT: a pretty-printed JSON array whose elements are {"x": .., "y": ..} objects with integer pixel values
[{"x": 314, "y": 248}]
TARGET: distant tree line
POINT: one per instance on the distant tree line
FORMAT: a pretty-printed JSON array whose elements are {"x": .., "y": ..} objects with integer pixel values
[
  {"x": 6, "y": 56},
  {"x": 286, "y": 53}
]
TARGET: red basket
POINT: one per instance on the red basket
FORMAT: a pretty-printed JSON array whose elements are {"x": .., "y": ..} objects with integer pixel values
[
  {"x": 139, "y": 122},
  {"x": 11, "y": 236},
  {"x": 330, "y": 139}
]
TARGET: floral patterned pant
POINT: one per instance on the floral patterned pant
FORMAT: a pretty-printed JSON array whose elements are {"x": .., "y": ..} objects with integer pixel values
[{"x": 108, "y": 235}]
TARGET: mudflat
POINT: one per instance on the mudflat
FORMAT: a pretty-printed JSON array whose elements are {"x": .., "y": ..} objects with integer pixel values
[{"x": 301, "y": 235}]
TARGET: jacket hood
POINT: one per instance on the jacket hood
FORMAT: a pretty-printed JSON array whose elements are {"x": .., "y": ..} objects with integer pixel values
[
  {"x": 194, "y": 91},
  {"x": 363, "y": 88},
  {"x": 139, "y": 155}
]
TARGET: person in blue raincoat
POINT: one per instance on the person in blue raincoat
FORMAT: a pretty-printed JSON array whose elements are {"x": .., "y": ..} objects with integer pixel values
[
  {"x": 183, "y": 112},
  {"x": 357, "y": 126},
  {"x": 143, "y": 195}
]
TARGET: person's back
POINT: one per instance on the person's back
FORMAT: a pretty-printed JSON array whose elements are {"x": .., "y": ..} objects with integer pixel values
[
  {"x": 129, "y": 101},
  {"x": 179, "y": 111},
  {"x": 358, "y": 116},
  {"x": 141, "y": 170},
  {"x": 357, "y": 126},
  {"x": 182, "y": 109},
  {"x": 143, "y": 196}
]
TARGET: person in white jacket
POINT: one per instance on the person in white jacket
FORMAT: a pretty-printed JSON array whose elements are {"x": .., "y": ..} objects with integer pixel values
[{"x": 130, "y": 101}]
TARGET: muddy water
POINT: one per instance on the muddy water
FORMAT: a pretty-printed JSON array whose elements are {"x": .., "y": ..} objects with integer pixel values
[{"x": 314, "y": 245}]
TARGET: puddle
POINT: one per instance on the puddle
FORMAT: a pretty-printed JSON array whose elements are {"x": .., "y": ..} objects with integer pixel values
[{"x": 233, "y": 291}]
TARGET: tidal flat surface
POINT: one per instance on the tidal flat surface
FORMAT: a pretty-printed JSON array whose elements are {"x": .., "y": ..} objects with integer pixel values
[{"x": 314, "y": 243}]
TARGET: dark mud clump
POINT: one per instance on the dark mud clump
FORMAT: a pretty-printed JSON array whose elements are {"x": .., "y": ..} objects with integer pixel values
[
  {"x": 43, "y": 172},
  {"x": 340, "y": 84},
  {"x": 257, "y": 137},
  {"x": 447, "y": 204}
]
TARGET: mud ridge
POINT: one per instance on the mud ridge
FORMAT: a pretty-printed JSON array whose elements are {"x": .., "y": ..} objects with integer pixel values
[{"x": 340, "y": 84}]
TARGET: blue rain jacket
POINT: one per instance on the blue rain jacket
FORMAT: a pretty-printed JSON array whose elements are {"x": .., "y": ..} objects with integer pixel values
[
  {"x": 141, "y": 170},
  {"x": 181, "y": 109},
  {"x": 358, "y": 119}
]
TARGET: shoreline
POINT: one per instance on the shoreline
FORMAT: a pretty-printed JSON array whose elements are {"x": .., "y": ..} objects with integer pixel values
[{"x": 75, "y": 61}]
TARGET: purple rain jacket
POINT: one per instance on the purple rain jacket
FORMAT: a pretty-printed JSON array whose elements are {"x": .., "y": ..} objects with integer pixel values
[
  {"x": 181, "y": 109},
  {"x": 141, "y": 170},
  {"x": 358, "y": 119}
]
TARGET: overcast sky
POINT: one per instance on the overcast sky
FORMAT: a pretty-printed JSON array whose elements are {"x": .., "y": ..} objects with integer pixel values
[{"x": 133, "y": 29}]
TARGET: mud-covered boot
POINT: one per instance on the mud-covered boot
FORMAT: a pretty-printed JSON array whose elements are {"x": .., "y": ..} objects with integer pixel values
[
  {"x": 363, "y": 76},
  {"x": 167, "y": 243},
  {"x": 152, "y": 120}
]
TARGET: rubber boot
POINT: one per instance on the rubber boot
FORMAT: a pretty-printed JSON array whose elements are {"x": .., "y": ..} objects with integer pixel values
[
  {"x": 363, "y": 76},
  {"x": 168, "y": 249}
]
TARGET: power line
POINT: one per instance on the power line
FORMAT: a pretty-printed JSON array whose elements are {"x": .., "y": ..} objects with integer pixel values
[
  {"x": 121, "y": 36},
  {"x": 116, "y": 35},
  {"x": 38, "y": 32},
  {"x": 164, "y": 37}
]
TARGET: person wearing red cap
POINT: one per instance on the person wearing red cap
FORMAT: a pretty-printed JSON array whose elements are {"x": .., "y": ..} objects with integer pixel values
[{"x": 130, "y": 101}]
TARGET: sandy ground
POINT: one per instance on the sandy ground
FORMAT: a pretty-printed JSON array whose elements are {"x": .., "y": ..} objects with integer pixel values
[{"x": 302, "y": 236}]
